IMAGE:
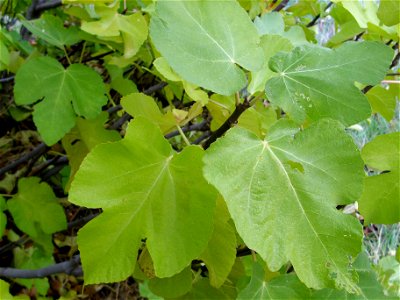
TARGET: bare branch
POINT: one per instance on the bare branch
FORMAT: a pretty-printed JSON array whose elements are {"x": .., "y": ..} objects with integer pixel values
[
  {"x": 149, "y": 91},
  {"x": 240, "y": 108},
  {"x": 48, "y": 5},
  {"x": 316, "y": 18},
  {"x": 7, "y": 79},
  {"x": 38, "y": 150},
  {"x": 70, "y": 267},
  {"x": 281, "y": 5},
  {"x": 194, "y": 127},
  {"x": 126, "y": 117}
]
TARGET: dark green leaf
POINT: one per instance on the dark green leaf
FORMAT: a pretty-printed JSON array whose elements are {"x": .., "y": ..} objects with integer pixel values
[
  {"x": 188, "y": 34},
  {"x": 315, "y": 83},
  {"x": 77, "y": 90}
]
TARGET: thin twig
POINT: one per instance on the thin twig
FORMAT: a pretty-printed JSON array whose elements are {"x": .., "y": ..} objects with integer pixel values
[
  {"x": 316, "y": 18},
  {"x": 149, "y": 91},
  {"x": 155, "y": 88},
  {"x": 184, "y": 137},
  {"x": 67, "y": 56},
  {"x": 358, "y": 36},
  {"x": 7, "y": 79},
  {"x": 38, "y": 150},
  {"x": 70, "y": 267},
  {"x": 391, "y": 81},
  {"x": 395, "y": 60},
  {"x": 201, "y": 138},
  {"x": 58, "y": 166},
  {"x": 48, "y": 5},
  {"x": 126, "y": 117},
  {"x": 25, "y": 239},
  {"x": 228, "y": 123},
  {"x": 194, "y": 127},
  {"x": 82, "y": 221},
  {"x": 281, "y": 5},
  {"x": 117, "y": 124},
  {"x": 98, "y": 56}
]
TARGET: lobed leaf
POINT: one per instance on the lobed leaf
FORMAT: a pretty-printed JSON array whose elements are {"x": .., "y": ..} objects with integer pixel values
[
  {"x": 189, "y": 35},
  {"x": 52, "y": 30},
  {"x": 77, "y": 90},
  {"x": 282, "y": 194},
  {"x": 315, "y": 83},
  {"x": 35, "y": 208},
  {"x": 146, "y": 191}
]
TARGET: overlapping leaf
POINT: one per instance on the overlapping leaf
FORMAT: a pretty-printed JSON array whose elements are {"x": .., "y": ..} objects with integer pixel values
[
  {"x": 4, "y": 56},
  {"x": 383, "y": 100},
  {"x": 364, "y": 13},
  {"x": 315, "y": 82},
  {"x": 174, "y": 286},
  {"x": 3, "y": 217},
  {"x": 203, "y": 45},
  {"x": 35, "y": 208},
  {"x": 380, "y": 201},
  {"x": 130, "y": 30},
  {"x": 83, "y": 138},
  {"x": 370, "y": 288},
  {"x": 367, "y": 16},
  {"x": 287, "y": 286},
  {"x": 203, "y": 290},
  {"x": 33, "y": 258},
  {"x": 271, "y": 44},
  {"x": 220, "y": 253},
  {"x": 389, "y": 12},
  {"x": 282, "y": 193},
  {"x": 139, "y": 104},
  {"x": 388, "y": 272},
  {"x": 273, "y": 24},
  {"x": 51, "y": 29},
  {"x": 146, "y": 191},
  {"x": 77, "y": 90},
  {"x": 193, "y": 91}
]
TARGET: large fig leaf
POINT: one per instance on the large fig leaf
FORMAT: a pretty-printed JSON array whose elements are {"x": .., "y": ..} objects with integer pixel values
[
  {"x": 315, "y": 82},
  {"x": 147, "y": 191},
  {"x": 282, "y": 193},
  {"x": 205, "y": 42}
]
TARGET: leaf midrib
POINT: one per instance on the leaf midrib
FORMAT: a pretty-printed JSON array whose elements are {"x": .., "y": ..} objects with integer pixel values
[
  {"x": 139, "y": 207},
  {"x": 278, "y": 162}
]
